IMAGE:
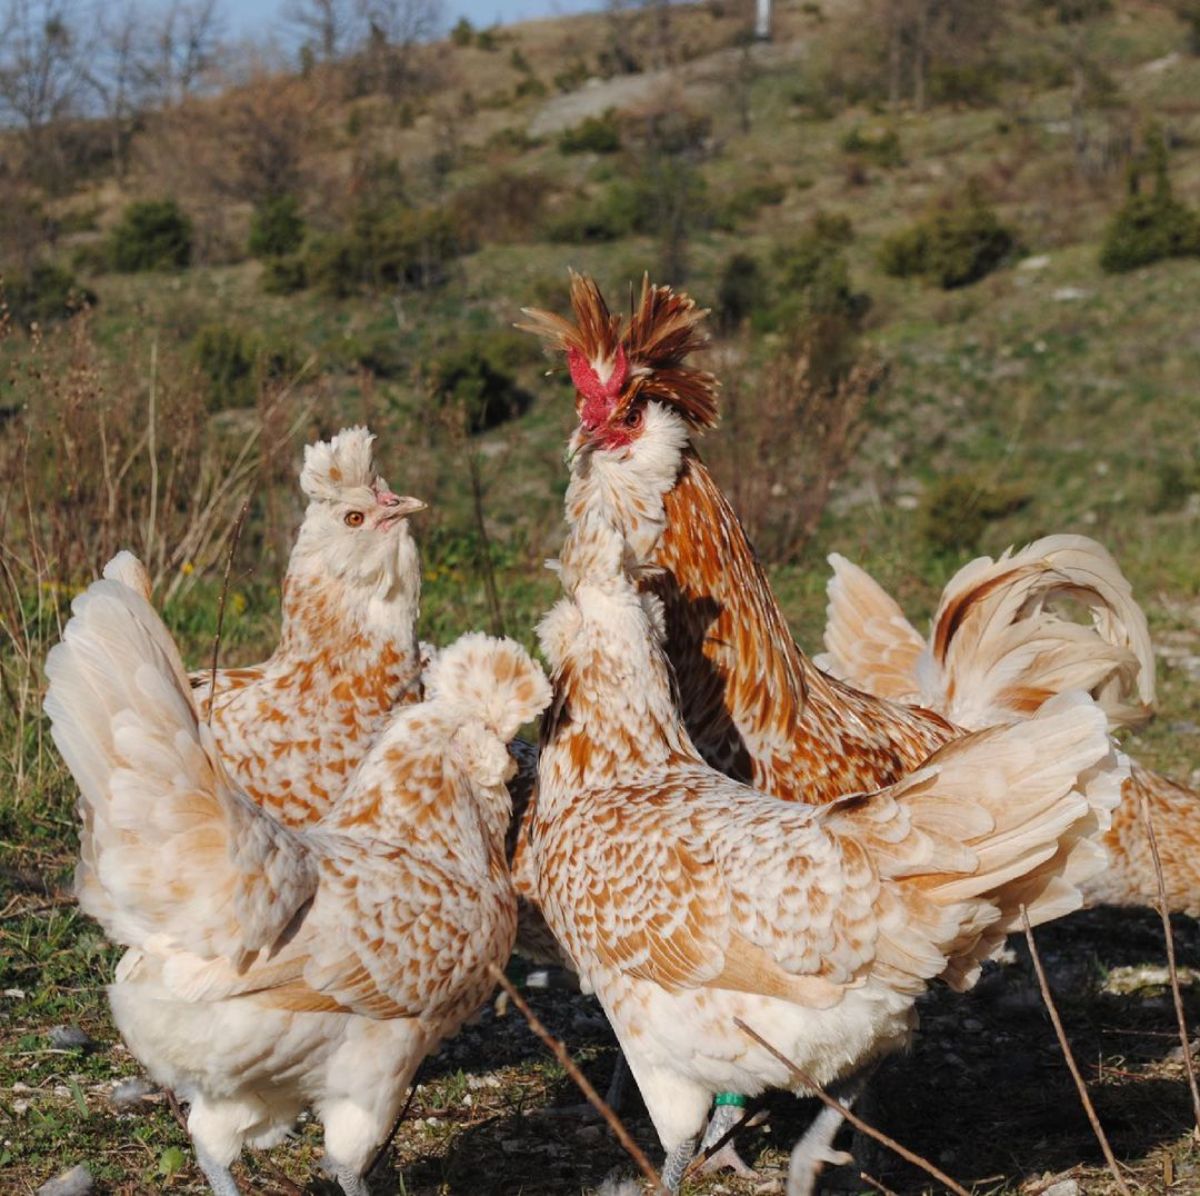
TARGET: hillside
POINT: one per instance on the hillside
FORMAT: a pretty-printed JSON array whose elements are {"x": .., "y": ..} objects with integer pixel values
[{"x": 353, "y": 241}]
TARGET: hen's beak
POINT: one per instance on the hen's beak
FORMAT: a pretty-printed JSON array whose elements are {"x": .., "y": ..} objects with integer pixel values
[{"x": 396, "y": 506}]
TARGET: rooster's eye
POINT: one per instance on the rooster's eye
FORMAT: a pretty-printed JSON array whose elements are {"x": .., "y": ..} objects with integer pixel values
[
  {"x": 633, "y": 417},
  {"x": 354, "y": 518}
]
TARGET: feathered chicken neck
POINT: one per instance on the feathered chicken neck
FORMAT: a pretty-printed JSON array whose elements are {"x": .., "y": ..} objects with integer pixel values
[
  {"x": 614, "y": 716},
  {"x": 756, "y": 706},
  {"x": 354, "y": 627}
]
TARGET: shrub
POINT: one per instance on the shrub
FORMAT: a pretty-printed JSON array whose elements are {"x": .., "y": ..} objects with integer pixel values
[
  {"x": 883, "y": 150},
  {"x": 152, "y": 235},
  {"x": 463, "y": 33},
  {"x": 953, "y": 246},
  {"x": 380, "y": 353},
  {"x": 237, "y": 364},
  {"x": 388, "y": 244},
  {"x": 744, "y": 203},
  {"x": 1149, "y": 228},
  {"x": 815, "y": 275},
  {"x": 740, "y": 290},
  {"x": 475, "y": 379},
  {"x": 504, "y": 205},
  {"x": 531, "y": 86},
  {"x": 956, "y": 510},
  {"x": 594, "y": 135},
  {"x": 284, "y": 275},
  {"x": 45, "y": 293},
  {"x": 277, "y": 227}
]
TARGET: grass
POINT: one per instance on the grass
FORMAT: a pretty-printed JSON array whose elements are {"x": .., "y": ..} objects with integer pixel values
[{"x": 1074, "y": 386}]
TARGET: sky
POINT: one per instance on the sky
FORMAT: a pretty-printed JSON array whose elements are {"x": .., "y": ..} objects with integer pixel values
[{"x": 253, "y": 18}]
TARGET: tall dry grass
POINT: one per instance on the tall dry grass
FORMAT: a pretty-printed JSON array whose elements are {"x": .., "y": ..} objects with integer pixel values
[{"x": 103, "y": 450}]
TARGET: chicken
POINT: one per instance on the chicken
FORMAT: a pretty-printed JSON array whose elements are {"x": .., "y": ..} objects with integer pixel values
[
  {"x": 687, "y": 899},
  {"x": 997, "y": 648},
  {"x": 268, "y": 968},
  {"x": 292, "y": 730}
]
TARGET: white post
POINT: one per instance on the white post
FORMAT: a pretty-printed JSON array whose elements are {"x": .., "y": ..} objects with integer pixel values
[{"x": 762, "y": 20}]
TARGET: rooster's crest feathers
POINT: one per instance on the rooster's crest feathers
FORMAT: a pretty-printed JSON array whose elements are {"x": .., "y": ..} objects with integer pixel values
[
  {"x": 333, "y": 467},
  {"x": 612, "y": 362}
]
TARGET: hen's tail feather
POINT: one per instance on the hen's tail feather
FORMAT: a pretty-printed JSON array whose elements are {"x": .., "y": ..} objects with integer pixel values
[
  {"x": 126, "y": 568},
  {"x": 171, "y": 852},
  {"x": 999, "y": 647},
  {"x": 1011, "y": 815}
]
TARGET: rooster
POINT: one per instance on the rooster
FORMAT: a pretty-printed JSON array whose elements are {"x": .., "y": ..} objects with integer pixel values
[
  {"x": 270, "y": 968},
  {"x": 687, "y": 899},
  {"x": 292, "y": 730},
  {"x": 998, "y": 648}
]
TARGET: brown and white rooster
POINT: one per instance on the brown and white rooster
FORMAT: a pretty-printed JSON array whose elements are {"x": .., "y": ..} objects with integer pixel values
[
  {"x": 998, "y": 648},
  {"x": 292, "y": 729},
  {"x": 754, "y": 705},
  {"x": 687, "y": 900},
  {"x": 271, "y": 968}
]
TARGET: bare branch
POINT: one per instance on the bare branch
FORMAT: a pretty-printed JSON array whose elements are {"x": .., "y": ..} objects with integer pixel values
[
  {"x": 1086, "y": 1100},
  {"x": 812, "y": 1086},
  {"x": 594, "y": 1098},
  {"x": 1184, "y": 1034}
]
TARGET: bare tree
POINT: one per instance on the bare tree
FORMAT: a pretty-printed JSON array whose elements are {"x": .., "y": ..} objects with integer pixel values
[
  {"x": 115, "y": 74},
  {"x": 182, "y": 48},
  {"x": 41, "y": 73},
  {"x": 328, "y": 27},
  {"x": 394, "y": 29}
]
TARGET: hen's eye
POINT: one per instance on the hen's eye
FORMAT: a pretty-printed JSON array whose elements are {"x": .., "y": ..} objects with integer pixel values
[
  {"x": 354, "y": 518},
  {"x": 633, "y": 417}
]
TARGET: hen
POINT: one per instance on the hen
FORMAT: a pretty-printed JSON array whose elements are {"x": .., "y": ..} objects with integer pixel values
[
  {"x": 292, "y": 730},
  {"x": 270, "y": 968},
  {"x": 687, "y": 900},
  {"x": 997, "y": 648}
]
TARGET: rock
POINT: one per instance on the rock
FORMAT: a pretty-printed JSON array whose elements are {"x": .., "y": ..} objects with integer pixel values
[
  {"x": 1071, "y": 294},
  {"x": 1037, "y": 262},
  {"x": 1064, "y": 1187},
  {"x": 130, "y": 1094},
  {"x": 71, "y": 1038},
  {"x": 1176, "y": 1055},
  {"x": 76, "y": 1182}
]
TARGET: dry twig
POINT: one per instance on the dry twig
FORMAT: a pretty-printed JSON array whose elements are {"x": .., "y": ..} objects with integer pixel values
[
  {"x": 853, "y": 1118},
  {"x": 1184, "y": 1034},
  {"x": 236, "y": 536},
  {"x": 594, "y": 1098},
  {"x": 1084, "y": 1098}
]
